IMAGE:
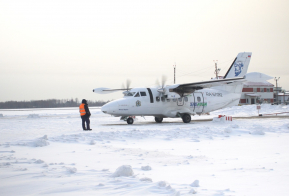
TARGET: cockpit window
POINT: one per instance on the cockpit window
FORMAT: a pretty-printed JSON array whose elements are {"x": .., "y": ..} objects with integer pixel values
[
  {"x": 128, "y": 94},
  {"x": 143, "y": 94},
  {"x": 137, "y": 95}
]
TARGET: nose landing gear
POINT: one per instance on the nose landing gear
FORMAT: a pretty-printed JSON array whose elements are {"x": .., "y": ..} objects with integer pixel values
[
  {"x": 129, "y": 120},
  {"x": 159, "y": 119}
]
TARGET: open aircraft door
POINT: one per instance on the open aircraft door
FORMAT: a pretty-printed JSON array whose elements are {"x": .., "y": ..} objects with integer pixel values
[
  {"x": 180, "y": 101},
  {"x": 198, "y": 103}
]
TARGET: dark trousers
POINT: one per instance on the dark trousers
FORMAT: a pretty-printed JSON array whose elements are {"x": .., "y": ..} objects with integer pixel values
[{"x": 85, "y": 119}]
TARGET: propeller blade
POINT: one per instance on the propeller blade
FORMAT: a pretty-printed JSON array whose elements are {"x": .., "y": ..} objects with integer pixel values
[
  {"x": 127, "y": 86},
  {"x": 164, "y": 80},
  {"x": 128, "y": 82}
]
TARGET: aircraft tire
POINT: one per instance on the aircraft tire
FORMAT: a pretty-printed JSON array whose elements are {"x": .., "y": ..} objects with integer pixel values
[
  {"x": 186, "y": 118},
  {"x": 129, "y": 121},
  {"x": 159, "y": 119}
]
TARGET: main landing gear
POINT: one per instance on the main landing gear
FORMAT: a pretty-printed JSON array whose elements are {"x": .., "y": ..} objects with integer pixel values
[
  {"x": 129, "y": 120},
  {"x": 186, "y": 118},
  {"x": 159, "y": 119}
]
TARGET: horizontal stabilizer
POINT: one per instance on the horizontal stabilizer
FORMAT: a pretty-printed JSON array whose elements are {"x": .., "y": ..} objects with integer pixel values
[{"x": 257, "y": 77}]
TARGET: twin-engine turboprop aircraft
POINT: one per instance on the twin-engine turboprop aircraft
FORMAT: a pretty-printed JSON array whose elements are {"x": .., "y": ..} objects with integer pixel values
[{"x": 184, "y": 100}]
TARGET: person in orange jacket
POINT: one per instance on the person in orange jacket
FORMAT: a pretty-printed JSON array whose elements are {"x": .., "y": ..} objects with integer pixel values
[{"x": 85, "y": 114}]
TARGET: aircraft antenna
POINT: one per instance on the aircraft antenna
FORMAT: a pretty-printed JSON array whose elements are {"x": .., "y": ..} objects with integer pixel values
[{"x": 216, "y": 69}]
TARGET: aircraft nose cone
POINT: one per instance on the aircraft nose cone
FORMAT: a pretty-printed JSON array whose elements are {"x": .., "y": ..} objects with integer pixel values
[{"x": 105, "y": 109}]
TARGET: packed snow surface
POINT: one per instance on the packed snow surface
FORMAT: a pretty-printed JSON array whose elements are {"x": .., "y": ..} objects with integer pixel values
[{"x": 45, "y": 152}]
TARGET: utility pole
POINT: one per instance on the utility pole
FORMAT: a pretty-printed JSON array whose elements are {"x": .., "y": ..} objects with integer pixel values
[
  {"x": 174, "y": 73},
  {"x": 276, "y": 79},
  {"x": 216, "y": 69}
]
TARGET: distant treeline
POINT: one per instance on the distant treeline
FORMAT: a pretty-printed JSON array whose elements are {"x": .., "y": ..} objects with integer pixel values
[{"x": 50, "y": 103}]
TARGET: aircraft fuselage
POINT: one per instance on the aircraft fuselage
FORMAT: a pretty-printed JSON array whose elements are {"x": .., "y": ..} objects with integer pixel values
[{"x": 149, "y": 102}]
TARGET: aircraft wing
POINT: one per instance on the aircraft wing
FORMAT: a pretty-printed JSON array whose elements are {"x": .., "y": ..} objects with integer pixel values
[
  {"x": 191, "y": 87},
  {"x": 108, "y": 90}
]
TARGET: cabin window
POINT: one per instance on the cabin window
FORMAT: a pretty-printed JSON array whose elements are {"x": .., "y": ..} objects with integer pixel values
[
  {"x": 143, "y": 94},
  {"x": 261, "y": 89},
  {"x": 157, "y": 99},
  {"x": 163, "y": 99},
  {"x": 199, "y": 99},
  {"x": 268, "y": 90},
  {"x": 174, "y": 100},
  {"x": 186, "y": 99},
  {"x": 137, "y": 95},
  {"x": 254, "y": 89}
]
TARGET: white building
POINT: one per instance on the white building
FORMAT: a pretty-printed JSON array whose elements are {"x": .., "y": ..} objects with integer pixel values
[
  {"x": 283, "y": 98},
  {"x": 257, "y": 92}
]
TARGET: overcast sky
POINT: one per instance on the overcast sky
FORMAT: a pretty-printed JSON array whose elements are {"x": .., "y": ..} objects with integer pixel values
[{"x": 64, "y": 49}]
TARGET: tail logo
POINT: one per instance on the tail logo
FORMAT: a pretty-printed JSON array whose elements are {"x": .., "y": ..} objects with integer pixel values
[{"x": 238, "y": 68}]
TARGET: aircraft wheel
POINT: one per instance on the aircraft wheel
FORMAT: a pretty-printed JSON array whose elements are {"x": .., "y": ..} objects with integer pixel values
[
  {"x": 159, "y": 119},
  {"x": 129, "y": 121},
  {"x": 186, "y": 118}
]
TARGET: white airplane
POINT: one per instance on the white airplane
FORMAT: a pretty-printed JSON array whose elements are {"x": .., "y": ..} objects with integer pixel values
[{"x": 184, "y": 100}]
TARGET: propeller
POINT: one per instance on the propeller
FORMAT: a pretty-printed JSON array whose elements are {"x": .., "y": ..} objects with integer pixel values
[
  {"x": 163, "y": 82},
  {"x": 127, "y": 85}
]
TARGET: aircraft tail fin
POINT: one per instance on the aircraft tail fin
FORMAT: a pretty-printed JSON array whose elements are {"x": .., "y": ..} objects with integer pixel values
[{"x": 239, "y": 66}]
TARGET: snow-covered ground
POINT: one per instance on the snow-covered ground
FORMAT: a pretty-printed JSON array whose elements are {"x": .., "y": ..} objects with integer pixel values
[{"x": 45, "y": 152}]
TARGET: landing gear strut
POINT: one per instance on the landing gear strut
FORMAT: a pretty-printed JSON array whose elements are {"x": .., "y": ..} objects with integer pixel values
[
  {"x": 129, "y": 120},
  {"x": 186, "y": 118},
  {"x": 159, "y": 119}
]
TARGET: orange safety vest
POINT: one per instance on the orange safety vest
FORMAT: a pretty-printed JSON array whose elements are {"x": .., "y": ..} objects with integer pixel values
[{"x": 82, "y": 110}]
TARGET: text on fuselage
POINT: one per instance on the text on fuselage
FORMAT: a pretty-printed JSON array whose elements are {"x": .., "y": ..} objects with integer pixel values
[{"x": 214, "y": 94}]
